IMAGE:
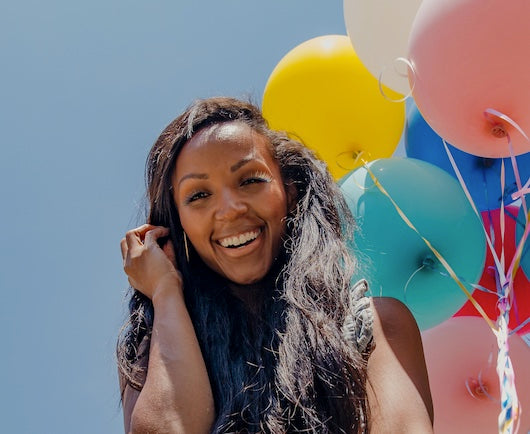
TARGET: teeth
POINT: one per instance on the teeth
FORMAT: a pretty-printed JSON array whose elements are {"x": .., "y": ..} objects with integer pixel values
[{"x": 240, "y": 239}]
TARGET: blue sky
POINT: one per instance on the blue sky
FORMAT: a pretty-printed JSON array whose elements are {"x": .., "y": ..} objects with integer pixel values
[{"x": 85, "y": 89}]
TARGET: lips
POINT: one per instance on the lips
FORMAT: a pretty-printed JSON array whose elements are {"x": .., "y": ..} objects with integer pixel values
[{"x": 239, "y": 240}]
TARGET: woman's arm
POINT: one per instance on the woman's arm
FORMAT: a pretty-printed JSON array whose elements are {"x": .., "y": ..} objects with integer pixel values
[
  {"x": 398, "y": 386},
  {"x": 176, "y": 396}
]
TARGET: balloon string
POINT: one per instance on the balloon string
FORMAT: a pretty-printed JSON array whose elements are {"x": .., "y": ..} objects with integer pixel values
[
  {"x": 431, "y": 247},
  {"x": 509, "y": 402},
  {"x": 473, "y": 285},
  {"x": 520, "y": 246},
  {"x": 410, "y": 279},
  {"x": 430, "y": 264},
  {"x": 477, "y": 387},
  {"x": 380, "y": 80},
  {"x": 501, "y": 216},
  {"x": 485, "y": 187},
  {"x": 506, "y": 295},
  {"x": 517, "y": 176},
  {"x": 472, "y": 203},
  {"x": 357, "y": 157},
  {"x": 520, "y": 326},
  {"x": 514, "y": 305},
  {"x": 507, "y": 279},
  {"x": 483, "y": 288},
  {"x": 490, "y": 114},
  {"x": 522, "y": 191},
  {"x": 514, "y": 265}
]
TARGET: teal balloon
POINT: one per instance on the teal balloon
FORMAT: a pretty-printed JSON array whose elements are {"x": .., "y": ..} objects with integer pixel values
[{"x": 394, "y": 258}]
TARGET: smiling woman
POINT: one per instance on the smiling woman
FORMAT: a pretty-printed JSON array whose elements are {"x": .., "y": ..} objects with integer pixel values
[
  {"x": 231, "y": 200},
  {"x": 243, "y": 317}
]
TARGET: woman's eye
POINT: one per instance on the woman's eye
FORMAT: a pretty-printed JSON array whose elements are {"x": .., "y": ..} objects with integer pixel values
[
  {"x": 256, "y": 179},
  {"x": 196, "y": 196}
]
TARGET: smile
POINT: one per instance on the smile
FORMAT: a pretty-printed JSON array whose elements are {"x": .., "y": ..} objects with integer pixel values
[{"x": 240, "y": 240}]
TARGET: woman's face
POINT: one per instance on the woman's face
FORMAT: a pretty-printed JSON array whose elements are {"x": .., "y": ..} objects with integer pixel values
[{"x": 231, "y": 200}]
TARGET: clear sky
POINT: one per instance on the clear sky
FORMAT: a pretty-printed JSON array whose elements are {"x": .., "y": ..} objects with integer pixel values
[{"x": 85, "y": 89}]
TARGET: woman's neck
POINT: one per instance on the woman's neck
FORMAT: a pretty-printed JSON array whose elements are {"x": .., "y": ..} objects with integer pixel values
[
  {"x": 252, "y": 296},
  {"x": 255, "y": 295}
]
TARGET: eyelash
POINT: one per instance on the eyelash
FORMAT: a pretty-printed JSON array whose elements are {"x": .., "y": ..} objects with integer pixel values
[
  {"x": 196, "y": 196},
  {"x": 257, "y": 177}
]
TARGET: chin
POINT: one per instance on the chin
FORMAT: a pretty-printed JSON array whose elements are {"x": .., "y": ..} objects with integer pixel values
[{"x": 247, "y": 279}]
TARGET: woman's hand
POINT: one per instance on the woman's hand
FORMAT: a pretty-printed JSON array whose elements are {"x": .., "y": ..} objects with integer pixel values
[{"x": 148, "y": 265}]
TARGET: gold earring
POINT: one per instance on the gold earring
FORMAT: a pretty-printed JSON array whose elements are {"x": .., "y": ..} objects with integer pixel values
[{"x": 186, "y": 247}]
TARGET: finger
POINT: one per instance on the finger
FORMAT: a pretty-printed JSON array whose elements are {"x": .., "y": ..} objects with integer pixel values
[
  {"x": 132, "y": 239},
  {"x": 135, "y": 237},
  {"x": 152, "y": 235}
]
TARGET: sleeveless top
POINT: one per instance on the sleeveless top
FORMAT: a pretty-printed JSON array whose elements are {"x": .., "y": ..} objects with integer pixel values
[
  {"x": 358, "y": 325},
  {"x": 358, "y": 328}
]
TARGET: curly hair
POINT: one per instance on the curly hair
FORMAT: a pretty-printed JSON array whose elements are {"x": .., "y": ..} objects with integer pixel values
[{"x": 288, "y": 367}]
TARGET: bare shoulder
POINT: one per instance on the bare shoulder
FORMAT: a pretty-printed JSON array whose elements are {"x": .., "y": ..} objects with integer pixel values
[
  {"x": 398, "y": 384},
  {"x": 393, "y": 319}
]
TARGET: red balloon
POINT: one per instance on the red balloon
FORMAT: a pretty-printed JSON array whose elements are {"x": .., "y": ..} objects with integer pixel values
[
  {"x": 461, "y": 357},
  {"x": 520, "y": 310}
]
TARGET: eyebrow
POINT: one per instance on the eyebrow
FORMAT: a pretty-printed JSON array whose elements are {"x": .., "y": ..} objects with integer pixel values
[
  {"x": 240, "y": 164},
  {"x": 193, "y": 176},
  {"x": 233, "y": 168}
]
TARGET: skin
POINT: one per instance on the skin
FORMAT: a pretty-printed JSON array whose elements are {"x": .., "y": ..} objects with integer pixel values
[
  {"x": 229, "y": 191},
  {"x": 176, "y": 396},
  {"x": 398, "y": 386}
]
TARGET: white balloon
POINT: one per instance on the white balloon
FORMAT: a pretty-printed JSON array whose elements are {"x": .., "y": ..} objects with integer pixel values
[{"x": 379, "y": 32}]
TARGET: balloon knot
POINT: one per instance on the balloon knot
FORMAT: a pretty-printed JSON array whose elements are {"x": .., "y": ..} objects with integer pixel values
[
  {"x": 477, "y": 388},
  {"x": 498, "y": 131},
  {"x": 429, "y": 262},
  {"x": 487, "y": 162}
]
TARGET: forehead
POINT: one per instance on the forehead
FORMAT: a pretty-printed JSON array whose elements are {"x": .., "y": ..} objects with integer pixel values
[{"x": 227, "y": 140}]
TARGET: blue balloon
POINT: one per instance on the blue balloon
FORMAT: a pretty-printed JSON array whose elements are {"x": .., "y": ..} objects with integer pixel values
[
  {"x": 481, "y": 175},
  {"x": 393, "y": 258}
]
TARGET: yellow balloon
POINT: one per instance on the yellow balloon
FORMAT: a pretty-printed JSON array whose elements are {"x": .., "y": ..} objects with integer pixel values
[{"x": 322, "y": 94}]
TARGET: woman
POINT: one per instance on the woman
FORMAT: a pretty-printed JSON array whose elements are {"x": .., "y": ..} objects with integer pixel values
[{"x": 243, "y": 317}]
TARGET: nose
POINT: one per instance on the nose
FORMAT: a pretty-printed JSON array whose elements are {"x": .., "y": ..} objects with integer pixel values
[{"x": 230, "y": 206}]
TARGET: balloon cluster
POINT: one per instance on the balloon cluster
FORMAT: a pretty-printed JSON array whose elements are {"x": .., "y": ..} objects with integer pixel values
[{"x": 444, "y": 228}]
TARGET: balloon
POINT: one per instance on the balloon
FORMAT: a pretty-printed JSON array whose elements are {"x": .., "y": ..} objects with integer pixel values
[
  {"x": 379, "y": 31},
  {"x": 461, "y": 357},
  {"x": 394, "y": 258},
  {"x": 481, "y": 175},
  {"x": 321, "y": 93},
  {"x": 521, "y": 223},
  {"x": 469, "y": 56},
  {"x": 520, "y": 310}
]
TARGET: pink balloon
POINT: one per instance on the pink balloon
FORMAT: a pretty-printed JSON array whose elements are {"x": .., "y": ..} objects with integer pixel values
[
  {"x": 461, "y": 357},
  {"x": 469, "y": 56}
]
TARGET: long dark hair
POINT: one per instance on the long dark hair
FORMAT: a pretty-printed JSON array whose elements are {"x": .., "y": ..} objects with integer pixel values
[{"x": 287, "y": 367}]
